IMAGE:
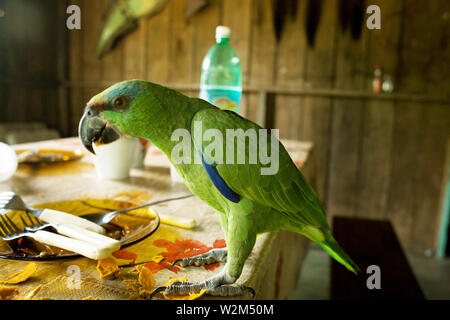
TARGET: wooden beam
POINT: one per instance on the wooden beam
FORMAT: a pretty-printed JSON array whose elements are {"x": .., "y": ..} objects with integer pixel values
[
  {"x": 262, "y": 109},
  {"x": 326, "y": 93}
]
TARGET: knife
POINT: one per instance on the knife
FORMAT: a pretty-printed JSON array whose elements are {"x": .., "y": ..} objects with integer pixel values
[
  {"x": 85, "y": 249},
  {"x": 59, "y": 217},
  {"x": 95, "y": 239}
]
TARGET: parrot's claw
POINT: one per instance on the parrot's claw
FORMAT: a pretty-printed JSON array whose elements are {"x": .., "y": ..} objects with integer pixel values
[
  {"x": 169, "y": 289},
  {"x": 181, "y": 288},
  {"x": 214, "y": 255},
  {"x": 218, "y": 285},
  {"x": 231, "y": 291}
]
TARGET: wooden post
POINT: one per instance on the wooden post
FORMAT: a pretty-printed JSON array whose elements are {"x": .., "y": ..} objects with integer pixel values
[
  {"x": 62, "y": 68},
  {"x": 262, "y": 109}
]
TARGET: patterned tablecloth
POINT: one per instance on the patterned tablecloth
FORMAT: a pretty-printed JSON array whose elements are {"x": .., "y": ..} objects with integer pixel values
[{"x": 272, "y": 269}]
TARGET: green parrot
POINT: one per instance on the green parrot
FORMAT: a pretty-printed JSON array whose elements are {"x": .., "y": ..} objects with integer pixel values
[{"x": 248, "y": 203}]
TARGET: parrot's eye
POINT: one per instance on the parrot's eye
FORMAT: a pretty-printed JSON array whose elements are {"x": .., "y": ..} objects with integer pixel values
[{"x": 120, "y": 102}]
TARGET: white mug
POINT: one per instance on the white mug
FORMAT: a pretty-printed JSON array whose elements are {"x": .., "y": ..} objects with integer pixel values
[{"x": 114, "y": 160}]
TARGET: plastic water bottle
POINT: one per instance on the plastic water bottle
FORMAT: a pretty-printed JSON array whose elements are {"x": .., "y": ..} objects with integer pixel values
[{"x": 221, "y": 78}]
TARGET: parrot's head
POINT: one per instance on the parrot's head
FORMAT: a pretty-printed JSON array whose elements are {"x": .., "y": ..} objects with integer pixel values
[{"x": 126, "y": 108}]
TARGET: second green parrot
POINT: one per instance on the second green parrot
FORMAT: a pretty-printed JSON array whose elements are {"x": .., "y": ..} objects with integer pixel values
[{"x": 248, "y": 202}]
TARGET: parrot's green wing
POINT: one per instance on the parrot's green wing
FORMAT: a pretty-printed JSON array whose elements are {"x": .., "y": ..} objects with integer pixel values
[{"x": 286, "y": 191}]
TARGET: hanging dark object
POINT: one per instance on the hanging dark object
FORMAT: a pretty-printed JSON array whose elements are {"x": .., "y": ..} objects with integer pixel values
[
  {"x": 357, "y": 12},
  {"x": 351, "y": 16},
  {"x": 312, "y": 20},
  {"x": 282, "y": 9},
  {"x": 344, "y": 12},
  {"x": 194, "y": 6},
  {"x": 122, "y": 17},
  {"x": 293, "y": 5}
]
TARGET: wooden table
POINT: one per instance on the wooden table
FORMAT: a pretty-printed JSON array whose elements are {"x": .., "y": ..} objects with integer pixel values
[{"x": 272, "y": 269}]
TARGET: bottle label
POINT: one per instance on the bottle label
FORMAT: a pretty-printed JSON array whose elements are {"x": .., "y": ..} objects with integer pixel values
[{"x": 224, "y": 97}]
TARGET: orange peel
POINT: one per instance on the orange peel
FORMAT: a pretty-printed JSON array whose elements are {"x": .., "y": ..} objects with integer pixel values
[
  {"x": 21, "y": 276},
  {"x": 146, "y": 279},
  {"x": 107, "y": 268},
  {"x": 8, "y": 292}
]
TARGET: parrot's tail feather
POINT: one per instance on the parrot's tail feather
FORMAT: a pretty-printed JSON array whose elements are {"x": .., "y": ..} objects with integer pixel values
[
  {"x": 330, "y": 245},
  {"x": 335, "y": 250}
]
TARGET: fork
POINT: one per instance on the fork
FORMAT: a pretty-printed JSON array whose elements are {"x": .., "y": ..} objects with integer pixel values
[
  {"x": 12, "y": 201},
  {"x": 9, "y": 231},
  {"x": 72, "y": 231}
]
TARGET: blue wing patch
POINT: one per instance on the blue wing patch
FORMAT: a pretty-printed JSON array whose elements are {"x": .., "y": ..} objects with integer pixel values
[{"x": 218, "y": 182}]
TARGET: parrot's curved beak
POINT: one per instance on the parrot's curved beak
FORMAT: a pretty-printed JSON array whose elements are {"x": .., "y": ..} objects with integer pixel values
[{"x": 94, "y": 129}]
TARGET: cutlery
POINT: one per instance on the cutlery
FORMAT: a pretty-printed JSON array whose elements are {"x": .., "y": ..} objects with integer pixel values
[
  {"x": 9, "y": 231},
  {"x": 12, "y": 201},
  {"x": 72, "y": 231},
  {"x": 21, "y": 157},
  {"x": 103, "y": 218}
]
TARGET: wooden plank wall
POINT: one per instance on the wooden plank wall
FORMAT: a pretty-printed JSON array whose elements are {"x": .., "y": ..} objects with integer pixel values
[{"x": 376, "y": 158}]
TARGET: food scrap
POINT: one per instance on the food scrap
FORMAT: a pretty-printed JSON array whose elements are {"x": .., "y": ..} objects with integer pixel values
[
  {"x": 146, "y": 280},
  {"x": 8, "y": 293},
  {"x": 20, "y": 276},
  {"x": 180, "y": 222},
  {"x": 13, "y": 293},
  {"x": 108, "y": 268},
  {"x": 134, "y": 286},
  {"x": 158, "y": 258}
]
